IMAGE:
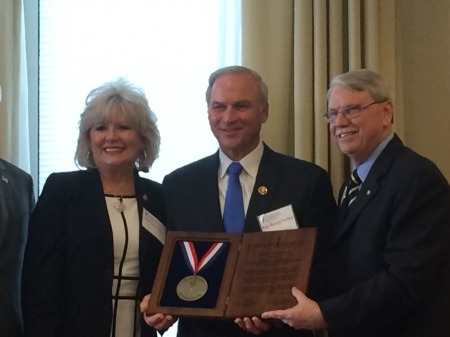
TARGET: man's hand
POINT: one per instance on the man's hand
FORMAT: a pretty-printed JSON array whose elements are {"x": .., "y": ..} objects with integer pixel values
[
  {"x": 158, "y": 321},
  {"x": 254, "y": 325},
  {"x": 305, "y": 314}
]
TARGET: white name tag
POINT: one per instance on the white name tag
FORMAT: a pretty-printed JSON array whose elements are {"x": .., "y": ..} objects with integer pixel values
[
  {"x": 154, "y": 226},
  {"x": 278, "y": 220}
]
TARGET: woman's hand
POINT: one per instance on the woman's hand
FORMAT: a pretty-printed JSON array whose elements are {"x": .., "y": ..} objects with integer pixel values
[
  {"x": 254, "y": 325},
  {"x": 158, "y": 321}
]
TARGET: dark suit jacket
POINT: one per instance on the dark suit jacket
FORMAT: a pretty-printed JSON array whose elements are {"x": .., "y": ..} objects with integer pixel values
[
  {"x": 69, "y": 258},
  {"x": 192, "y": 201},
  {"x": 16, "y": 203},
  {"x": 389, "y": 268}
]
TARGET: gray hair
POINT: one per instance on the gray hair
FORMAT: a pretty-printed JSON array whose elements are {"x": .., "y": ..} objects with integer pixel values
[
  {"x": 263, "y": 91},
  {"x": 362, "y": 80},
  {"x": 116, "y": 99}
]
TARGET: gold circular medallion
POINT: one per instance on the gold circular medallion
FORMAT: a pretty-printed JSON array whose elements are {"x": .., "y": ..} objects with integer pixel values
[
  {"x": 262, "y": 190},
  {"x": 192, "y": 288}
]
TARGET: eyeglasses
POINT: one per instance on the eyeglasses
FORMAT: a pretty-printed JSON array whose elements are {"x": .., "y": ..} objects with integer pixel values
[{"x": 349, "y": 111}]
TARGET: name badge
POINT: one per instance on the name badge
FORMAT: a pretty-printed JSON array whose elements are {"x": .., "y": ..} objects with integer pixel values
[
  {"x": 154, "y": 226},
  {"x": 278, "y": 220}
]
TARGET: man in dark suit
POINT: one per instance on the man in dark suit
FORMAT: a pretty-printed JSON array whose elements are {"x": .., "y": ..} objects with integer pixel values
[
  {"x": 196, "y": 195},
  {"x": 16, "y": 203},
  {"x": 389, "y": 258}
]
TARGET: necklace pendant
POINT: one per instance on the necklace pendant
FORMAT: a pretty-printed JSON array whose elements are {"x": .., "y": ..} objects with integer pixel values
[{"x": 120, "y": 207}]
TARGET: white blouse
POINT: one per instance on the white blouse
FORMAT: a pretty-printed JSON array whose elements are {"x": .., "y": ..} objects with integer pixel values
[{"x": 125, "y": 229}]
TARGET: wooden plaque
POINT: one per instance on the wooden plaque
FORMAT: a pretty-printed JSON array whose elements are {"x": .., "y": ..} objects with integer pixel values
[
  {"x": 256, "y": 273},
  {"x": 269, "y": 265}
]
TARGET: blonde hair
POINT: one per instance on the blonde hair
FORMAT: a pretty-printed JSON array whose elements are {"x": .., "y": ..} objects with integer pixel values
[{"x": 120, "y": 99}]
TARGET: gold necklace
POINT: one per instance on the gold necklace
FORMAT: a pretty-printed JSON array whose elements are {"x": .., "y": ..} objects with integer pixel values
[{"x": 119, "y": 207}]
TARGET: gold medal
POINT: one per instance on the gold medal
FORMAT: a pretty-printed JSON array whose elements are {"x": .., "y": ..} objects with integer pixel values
[{"x": 192, "y": 288}]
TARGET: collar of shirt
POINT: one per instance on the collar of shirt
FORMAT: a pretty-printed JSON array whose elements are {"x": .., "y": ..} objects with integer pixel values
[
  {"x": 250, "y": 162},
  {"x": 364, "y": 168}
]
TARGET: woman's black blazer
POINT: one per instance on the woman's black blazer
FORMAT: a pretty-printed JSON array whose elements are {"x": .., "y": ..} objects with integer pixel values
[{"x": 69, "y": 257}]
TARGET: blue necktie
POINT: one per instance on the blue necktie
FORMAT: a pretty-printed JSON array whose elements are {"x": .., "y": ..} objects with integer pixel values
[{"x": 233, "y": 213}]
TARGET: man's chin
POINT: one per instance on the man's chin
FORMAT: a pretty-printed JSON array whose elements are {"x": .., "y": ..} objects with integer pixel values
[
  {"x": 347, "y": 150},
  {"x": 229, "y": 144}
]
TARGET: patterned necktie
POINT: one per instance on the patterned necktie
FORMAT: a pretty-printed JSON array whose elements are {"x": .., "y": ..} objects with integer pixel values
[
  {"x": 350, "y": 191},
  {"x": 233, "y": 212}
]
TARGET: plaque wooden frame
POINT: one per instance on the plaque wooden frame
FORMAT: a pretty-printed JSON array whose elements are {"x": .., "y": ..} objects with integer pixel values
[{"x": 260, "y": 271}]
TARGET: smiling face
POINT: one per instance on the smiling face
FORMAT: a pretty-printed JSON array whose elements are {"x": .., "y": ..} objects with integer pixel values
[
  {"x": 359, "y": 136},
  {"x": 236, "y": 114},
  {"x": 115, "y": 145}
]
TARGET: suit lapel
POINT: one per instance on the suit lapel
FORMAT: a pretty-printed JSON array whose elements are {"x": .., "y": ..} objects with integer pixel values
[
  {"x": 141, "y": 196},
  {"x": 142, "y": 201},
  {"x": 5, "y": 198},
  {"x": 341, "y": 213},
  {"x": 208, "y": 184},
  {"x": 368, "y": 189},
  {"x": 370, "y": 186},
  {"x": 97, "y": 210},
  {"x": 269, "y": 178}
]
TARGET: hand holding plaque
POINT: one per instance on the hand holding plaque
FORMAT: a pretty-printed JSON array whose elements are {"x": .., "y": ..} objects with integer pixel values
[
  {"x": 255, "y": 325},
  {"x": 158, "y": 321}
]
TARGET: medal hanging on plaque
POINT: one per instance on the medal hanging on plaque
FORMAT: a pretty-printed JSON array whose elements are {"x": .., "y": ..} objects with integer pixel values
[{"x": 193, "y": 287}]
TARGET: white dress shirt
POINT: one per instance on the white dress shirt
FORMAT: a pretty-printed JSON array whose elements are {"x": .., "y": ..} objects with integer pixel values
[{"x": 250, "y": 164}]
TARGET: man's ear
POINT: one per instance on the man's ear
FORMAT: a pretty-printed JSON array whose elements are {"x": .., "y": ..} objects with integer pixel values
[
  {"x": 265, "y": 112},
  {"x": 388, "y": 113}
]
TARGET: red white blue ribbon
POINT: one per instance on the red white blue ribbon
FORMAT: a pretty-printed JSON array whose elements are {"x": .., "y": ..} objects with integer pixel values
[{"x": 191, "y": 257}]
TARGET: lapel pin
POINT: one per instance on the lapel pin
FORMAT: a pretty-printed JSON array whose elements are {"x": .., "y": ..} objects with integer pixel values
[
  {"x": 368, "y": 192},
  {"x": 145, "y": 197},
  {"x": 4, "y": 179},
  {"x": 262, "y": 190}
]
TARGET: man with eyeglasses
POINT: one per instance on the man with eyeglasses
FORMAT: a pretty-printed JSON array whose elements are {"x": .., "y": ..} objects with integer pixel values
[{"x": 389, "y": 255}]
